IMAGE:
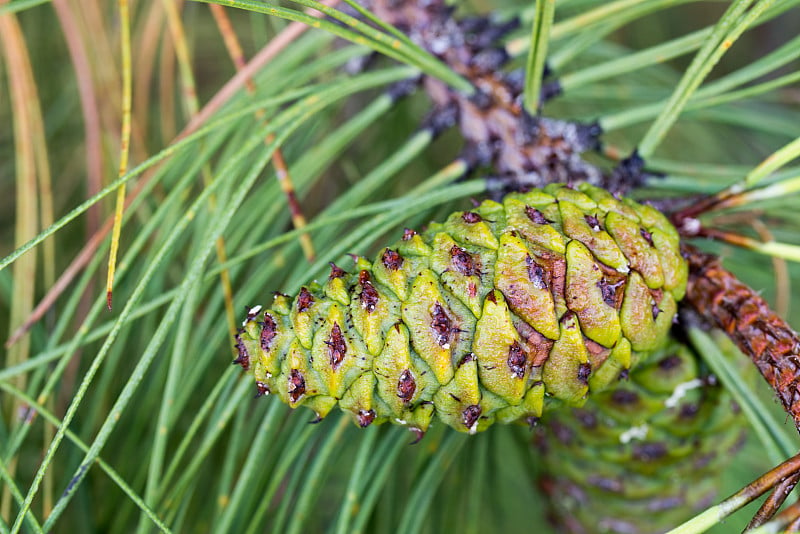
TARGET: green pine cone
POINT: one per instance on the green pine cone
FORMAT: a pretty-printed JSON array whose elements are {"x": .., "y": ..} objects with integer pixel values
[
  {"x": 552, "y": 293},
  {"x": 644, "y": 455}
]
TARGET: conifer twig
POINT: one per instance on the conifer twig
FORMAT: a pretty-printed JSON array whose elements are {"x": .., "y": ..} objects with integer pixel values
[
  {"x": 748, "y": 320},
  {"x": 774, "y": 501},
  {"x": 747, "y": 494}
]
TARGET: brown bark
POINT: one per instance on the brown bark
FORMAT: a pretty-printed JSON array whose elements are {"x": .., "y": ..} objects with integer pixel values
[{"x": 748, "y": 320}]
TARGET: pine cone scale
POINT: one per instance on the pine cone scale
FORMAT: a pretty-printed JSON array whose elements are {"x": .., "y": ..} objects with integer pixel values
[{"x": 480, "y": 318}]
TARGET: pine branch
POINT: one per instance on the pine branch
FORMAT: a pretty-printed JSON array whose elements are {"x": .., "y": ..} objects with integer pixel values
[
  {"x": 748, "y": 320},
  {"x": 524, "y": 151}
]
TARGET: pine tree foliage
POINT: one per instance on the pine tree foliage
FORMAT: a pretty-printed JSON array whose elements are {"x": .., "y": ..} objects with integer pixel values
[{"x": 135, "y": 419}]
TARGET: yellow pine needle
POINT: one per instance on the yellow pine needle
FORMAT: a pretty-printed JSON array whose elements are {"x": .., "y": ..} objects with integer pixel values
[
  {"x": 774, "y": 162},
  {"x": 125, "y": 141}
]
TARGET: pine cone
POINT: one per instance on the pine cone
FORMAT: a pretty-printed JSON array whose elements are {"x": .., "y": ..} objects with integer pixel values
[
  {"x": 643, "y": 456},
  {"x": 552, "y": 293}
]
